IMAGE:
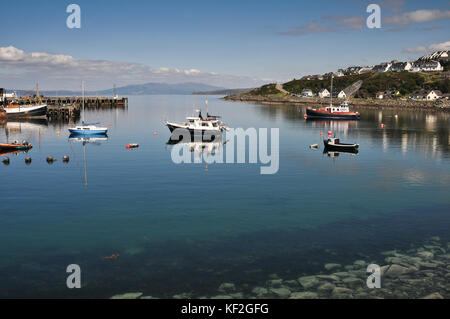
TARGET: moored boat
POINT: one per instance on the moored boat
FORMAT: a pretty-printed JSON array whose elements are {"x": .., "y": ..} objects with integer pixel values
[
  {"x": 341, "y": 112},
  {"x": 26, "y": 111},
  {"x": 334, "y": 144},
  {"x": 16, "y": 146},
  {"x": 87, "y": 128},
  {"x": 211, "y": 125}
]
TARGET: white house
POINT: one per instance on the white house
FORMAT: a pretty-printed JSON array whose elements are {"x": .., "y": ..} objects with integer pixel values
[
  {"x": 401, "y": 67},
  {"x": 427, "y": 66},
  {"x": 382, "y": 68},
  {"x": 324, "y": 93},
  {"x": 339, "y": 95},
  {"x": 380, "y": 95},
  {"x": 434, "y": 95},
  {"x": 307, "y": 93}
]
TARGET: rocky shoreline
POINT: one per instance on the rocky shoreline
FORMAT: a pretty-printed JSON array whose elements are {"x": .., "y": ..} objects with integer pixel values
[
  {"x": 419, "y": 272},
  {"x": 367, "y": 103}
]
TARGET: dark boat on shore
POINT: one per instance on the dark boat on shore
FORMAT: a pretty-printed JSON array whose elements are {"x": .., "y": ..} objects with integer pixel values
[{"x": 334, "y": 144}]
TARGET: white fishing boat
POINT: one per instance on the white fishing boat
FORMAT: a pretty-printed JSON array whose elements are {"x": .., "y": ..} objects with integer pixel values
[
  {"x": 87, "y": 128},
  {"x": 199, "y": 125},
  {"x": 15, "y": 110}
]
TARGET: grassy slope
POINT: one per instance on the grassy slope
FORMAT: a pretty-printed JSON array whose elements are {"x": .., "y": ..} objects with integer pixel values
[{"x": 405, "y": 82}]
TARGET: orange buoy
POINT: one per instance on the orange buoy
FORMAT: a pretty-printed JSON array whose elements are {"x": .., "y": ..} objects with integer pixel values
[
  {"x": 155, "y": 134},
  {"x": 305, "y": 116},
  {"x": 330, "y": 133}
]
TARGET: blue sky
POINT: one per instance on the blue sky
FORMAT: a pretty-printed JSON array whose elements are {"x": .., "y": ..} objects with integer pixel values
[{"x": 225, "y": 43}]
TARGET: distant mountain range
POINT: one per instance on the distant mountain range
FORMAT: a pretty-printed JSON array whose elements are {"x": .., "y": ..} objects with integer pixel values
[
  {"x": 138, "y": 89},
  {"x": 224, "y": 92}
]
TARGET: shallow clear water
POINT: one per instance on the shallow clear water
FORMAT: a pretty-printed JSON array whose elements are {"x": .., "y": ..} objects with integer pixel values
[{"x": 191, "y": 227}]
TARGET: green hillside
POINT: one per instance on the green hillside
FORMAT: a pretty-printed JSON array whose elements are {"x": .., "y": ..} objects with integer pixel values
[{"x": 404, "y": 82}]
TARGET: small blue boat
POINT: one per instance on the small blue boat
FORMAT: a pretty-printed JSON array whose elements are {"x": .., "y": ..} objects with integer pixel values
[{"x": 88, "y": 129}]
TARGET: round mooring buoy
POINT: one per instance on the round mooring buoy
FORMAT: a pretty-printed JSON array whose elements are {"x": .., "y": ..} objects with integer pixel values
[
  {"x": 25, "y": 142},
  {"x": 66, "y": 159},
  {"x": 28, "y": 160},
  {"x": 50, "y": 159},
  {"x": 5, "y": 160}
]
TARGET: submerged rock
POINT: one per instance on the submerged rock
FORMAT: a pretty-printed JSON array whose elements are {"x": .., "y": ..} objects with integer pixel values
[
  {"x": 326, "y": 287},
  {"x": 340, "y": 292},
  {"x": 275, "y": 282},
  {"x": 281, "y": 292},
  {"x": 396, "y": 270},
  {"x": 360, "y": 263},
  {"x": 435, "y": 295},
  {"x": 332, "y": 266},
  {"x": 260, "y": 291},
  {"x": 227, "y": 287},
  {"x": 426, "y": 254},
  {"x": 130, "y": 295},
  {"x": 304, "y": 295},
  {"x": 308, "y": 282}
]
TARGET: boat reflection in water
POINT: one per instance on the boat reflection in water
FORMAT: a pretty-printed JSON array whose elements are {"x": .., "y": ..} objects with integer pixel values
[
  {"x": 334, "y": 154},
  {"x": 204, "y": 149},
  {"x": 87, "y": 139}
]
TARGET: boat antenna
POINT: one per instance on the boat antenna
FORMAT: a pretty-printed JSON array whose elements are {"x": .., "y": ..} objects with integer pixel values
[
  {"x": 82, "y": 94},
  {"x": 332, "y": 76},
  {"x": 38, "y": 96}
]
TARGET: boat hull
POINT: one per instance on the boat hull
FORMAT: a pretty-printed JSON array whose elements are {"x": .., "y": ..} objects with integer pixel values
[
  {"x": 172, "y": 129},
  {"x": 15, "y": 147},
  {"x": 87, "y": 133},
  {"x": 346, "y": 148},
  {"x": 320, "y": 114},
  {"x": 39, "y": 111}
]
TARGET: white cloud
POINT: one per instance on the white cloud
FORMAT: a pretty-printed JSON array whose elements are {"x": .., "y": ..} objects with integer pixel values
[
  {"x": 444, "y": 46},
  {"x": 64, "y": 71},
  {"x": 419, "y": 16}
]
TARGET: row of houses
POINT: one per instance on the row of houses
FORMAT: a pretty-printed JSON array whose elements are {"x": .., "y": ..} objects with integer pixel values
[
  {"x": 397, "y": 66},
  {"x": 324, "y": 93},
  {"x": 421, "y": 95},
  {"x": 427, "y": 63}
]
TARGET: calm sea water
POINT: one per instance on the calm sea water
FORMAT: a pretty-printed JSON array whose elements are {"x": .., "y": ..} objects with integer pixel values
[{"x": 139, "y": 222}]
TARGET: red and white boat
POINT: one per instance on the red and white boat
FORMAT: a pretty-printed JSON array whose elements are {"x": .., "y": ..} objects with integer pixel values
[{"x": 341, "y": 112}]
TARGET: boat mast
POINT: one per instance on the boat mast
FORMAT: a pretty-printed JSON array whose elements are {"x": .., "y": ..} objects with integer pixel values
[
  {"x": 331, "y": 95},
  {"x": 82, "y": 103},
  {"x": 207, "y": 107}
]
